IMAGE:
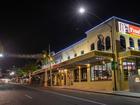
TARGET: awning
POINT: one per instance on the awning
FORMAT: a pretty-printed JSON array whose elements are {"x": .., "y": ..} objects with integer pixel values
[
  {"x": 91, "y": 57},
  {"x": 129, "y": 54}
]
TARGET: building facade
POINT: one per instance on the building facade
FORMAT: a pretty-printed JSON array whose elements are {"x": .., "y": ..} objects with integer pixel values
[{"x": 106, "y": 59}]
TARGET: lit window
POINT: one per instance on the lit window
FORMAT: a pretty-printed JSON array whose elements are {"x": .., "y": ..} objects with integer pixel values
[
  {"x": 83, "y": 74},
  {"x": 101, "y": 72},
  {"x": 129, "y": 68},
  {"x": 76, "y": 75}
]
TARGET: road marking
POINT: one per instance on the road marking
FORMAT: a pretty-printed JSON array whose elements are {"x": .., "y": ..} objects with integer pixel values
[
  {"x": 78, "y": 98},
  {"x": 69, "y": 96},
  {"x": 28, "y": 96}
]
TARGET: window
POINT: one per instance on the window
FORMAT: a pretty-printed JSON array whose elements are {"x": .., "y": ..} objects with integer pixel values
[
  {"x": 92, "y": 47},
  {"x": 100, "y": 42},
  {"x": 101, "y": 72},
  {"x": 139, "y": 44},
  {"x": 76, "y": 75},
  {"x": 75, "y": 55},
  {"x": 122, "y": 42},
  {"x": 82, "y": 52},
  {"x": 68, "y": 57},
  {"x": 83, "y": 74},
  {"x": 131, "y": 41},
  {"x": 108, "y": 44},
  {"x": 129, "y": 68}
]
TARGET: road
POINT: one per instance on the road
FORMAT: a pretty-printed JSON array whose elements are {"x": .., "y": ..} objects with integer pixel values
[{"x": 13, "y": 94}]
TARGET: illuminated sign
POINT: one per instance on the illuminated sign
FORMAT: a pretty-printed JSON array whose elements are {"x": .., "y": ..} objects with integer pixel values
[{"x": 129, "y": 29}]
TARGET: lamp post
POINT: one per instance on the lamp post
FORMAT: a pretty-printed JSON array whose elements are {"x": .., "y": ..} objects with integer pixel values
[{"x": 82, "y": 11}]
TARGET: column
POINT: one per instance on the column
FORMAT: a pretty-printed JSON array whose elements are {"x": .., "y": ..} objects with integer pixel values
[
  {"x": 66, "y": 74},
  {"x": 121, "y": 74},
  {"x": 79, "y": 68},
  {"x": 46, "y": 79},
  {"x": 88, "y": 73},
  {"x": 72, "y": 77},
  {"x": 51, "y": 79}
]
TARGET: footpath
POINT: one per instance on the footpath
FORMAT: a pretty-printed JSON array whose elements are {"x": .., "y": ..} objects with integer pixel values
[{"x": 117, "y": 93}]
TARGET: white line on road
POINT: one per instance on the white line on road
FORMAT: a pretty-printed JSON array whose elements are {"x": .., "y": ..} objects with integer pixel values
[
  {"x": 28, "y": 96},
  {"x": 69, "y": 96},
  {"x": 78, "y": 98}
]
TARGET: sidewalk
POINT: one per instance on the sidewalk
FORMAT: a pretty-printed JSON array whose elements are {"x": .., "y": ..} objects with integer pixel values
[
  {"x": 127, "y": 94},
  {"x": 117, "y": 93}
]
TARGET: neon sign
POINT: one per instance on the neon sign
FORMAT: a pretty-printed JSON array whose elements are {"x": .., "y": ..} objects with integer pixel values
[{"x": 129, "y": 29}]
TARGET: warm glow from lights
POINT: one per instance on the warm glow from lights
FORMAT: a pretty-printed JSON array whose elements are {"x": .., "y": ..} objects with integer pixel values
[
  {"x": 44, "y": 55},
  {"x": 88, "y": 65},
  {"x": 65, "y": 70}
]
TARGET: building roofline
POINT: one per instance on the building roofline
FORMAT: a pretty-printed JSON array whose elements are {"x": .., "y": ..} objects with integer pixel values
[
  {"x": 71, "y": 46},
  {"x": 113, "y": 17}
]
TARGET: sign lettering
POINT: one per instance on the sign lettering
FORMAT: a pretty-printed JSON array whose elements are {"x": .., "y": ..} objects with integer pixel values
[{"x": 129, "y": 29}]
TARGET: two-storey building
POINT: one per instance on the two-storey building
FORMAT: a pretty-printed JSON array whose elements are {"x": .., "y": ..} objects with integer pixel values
[{"x": 106, "y": 59}]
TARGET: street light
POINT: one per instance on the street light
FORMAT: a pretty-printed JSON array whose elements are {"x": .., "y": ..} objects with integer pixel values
[
  {"x": 81, "y": 10},
  {"x": 12, "y": 73}
]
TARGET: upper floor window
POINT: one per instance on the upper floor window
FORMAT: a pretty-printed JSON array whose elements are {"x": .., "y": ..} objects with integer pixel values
[
  {"x": 100, "y": 42},
  {"x": 108, "y": 44},
  {"x": 131, "y": 41},
  {"x": 122, "y": 42},
  {"x": 139, "y": 44},
  {"x": 92, "y": 47},
  {"x": 68, "y": 57},
  {"x": 82, "y": 52},
  {"x": 75, "y": 55}
]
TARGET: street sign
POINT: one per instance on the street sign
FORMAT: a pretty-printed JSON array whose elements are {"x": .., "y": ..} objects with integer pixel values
[{"x": 113, "y": 65}]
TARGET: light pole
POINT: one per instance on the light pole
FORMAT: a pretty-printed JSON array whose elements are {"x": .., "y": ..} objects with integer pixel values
[{"x": 82, "y": 11}]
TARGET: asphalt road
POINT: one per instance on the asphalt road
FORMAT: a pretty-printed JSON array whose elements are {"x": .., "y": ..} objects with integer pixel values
[{"x": 13, "y": 94}]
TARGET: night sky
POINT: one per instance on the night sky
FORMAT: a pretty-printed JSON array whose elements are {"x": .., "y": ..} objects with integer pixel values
[{"x": 30, "y": 26}]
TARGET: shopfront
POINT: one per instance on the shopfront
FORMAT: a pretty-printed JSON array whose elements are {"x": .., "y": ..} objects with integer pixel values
[
  {"x": 130, "y": 68},
  {"x": 129, "y": 54}
]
